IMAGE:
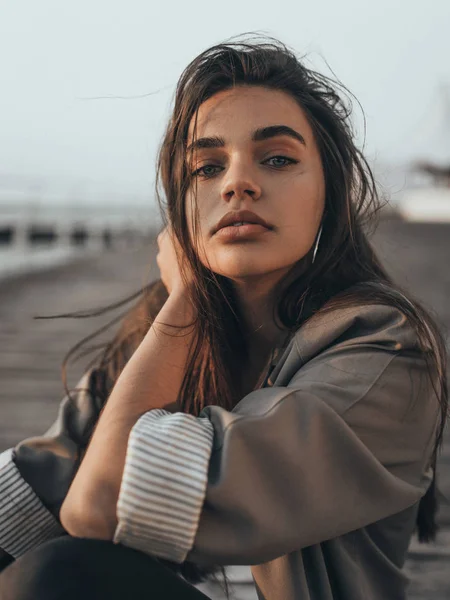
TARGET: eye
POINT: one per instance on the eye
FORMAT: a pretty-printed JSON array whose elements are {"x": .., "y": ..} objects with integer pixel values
[
  {"x": 280, "y": 161},
  {"x": 206, "y": 171}
]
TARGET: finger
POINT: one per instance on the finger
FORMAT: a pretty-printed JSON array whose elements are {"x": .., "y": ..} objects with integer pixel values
[{"x": 161, "y": 235}]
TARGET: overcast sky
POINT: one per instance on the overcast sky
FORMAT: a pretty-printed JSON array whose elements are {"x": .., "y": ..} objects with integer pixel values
[{"x": 55, "y": 56}]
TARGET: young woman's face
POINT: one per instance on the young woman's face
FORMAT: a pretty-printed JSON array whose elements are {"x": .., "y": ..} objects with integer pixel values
[{"x": 254, "y": 151}]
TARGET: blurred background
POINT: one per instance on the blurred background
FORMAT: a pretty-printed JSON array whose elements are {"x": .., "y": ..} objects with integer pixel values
[{"x": 86, "y": 93}]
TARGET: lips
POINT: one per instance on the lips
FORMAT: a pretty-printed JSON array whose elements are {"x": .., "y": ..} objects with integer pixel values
[{"x": 237, "y": 217}]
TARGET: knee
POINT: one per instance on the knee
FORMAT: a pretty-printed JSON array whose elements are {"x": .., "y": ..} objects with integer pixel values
[{"x": 51, "y": 572}]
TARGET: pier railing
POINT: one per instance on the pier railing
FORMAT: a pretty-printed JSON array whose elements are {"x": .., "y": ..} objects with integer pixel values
[{"x": 77, "y": 224}]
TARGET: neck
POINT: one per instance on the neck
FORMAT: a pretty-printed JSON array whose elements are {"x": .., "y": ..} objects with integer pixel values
[{"x": 256, "y": 300}]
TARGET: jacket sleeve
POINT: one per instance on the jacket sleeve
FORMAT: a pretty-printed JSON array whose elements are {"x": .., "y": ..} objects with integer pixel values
[
  {"x": 36, "y": 475},
  {"x": 345, "y": 443}
]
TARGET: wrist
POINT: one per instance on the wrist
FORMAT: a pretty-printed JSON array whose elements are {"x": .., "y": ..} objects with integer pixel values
[{"x": 178, "y": 309}]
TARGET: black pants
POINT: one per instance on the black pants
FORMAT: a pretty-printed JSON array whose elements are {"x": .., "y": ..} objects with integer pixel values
[{"x": 82, "y": 569}]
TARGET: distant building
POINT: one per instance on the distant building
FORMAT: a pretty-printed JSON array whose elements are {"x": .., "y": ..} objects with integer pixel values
[
  {"x": 431, "y": 166},
  {"x": 426, "y": 194}
]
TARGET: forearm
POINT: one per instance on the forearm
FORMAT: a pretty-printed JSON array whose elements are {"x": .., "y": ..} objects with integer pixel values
[{"x": 151, "y": 379}]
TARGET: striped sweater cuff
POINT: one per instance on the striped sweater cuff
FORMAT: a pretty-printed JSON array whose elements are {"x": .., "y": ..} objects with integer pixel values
[
  {"x": 25, "y": 523},
  {"x": 164, "y": 483}
]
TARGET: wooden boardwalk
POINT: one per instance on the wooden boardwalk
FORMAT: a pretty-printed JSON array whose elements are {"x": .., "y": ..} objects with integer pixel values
[{"x": 31, "y": 352}]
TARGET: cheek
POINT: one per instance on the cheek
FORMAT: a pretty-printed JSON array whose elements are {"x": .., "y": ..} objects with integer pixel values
[
  {"x": 196, "y": 218},
  {"x": 303, "y": 205},
  {"x": 191, "y": 217},
  {"x": 188, "y": 203}
]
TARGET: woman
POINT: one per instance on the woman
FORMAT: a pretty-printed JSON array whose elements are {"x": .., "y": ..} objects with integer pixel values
[{"x": 279, "y": 403}]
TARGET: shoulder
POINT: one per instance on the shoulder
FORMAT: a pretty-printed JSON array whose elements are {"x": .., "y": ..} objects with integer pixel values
[
  {"x": 365, "y": 359},
  {"x": 380, "y": 326},
  {"x": 361, "y": 339}
]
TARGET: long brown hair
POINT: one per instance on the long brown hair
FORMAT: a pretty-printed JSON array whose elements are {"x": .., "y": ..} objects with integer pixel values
[{"x": 346, "y": 271}]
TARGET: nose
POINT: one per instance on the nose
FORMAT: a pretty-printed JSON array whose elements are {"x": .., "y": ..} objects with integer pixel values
[{"x": 240, "y": 182}]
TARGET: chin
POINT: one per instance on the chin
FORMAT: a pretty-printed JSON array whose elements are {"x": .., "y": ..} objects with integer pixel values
[
  {"x": 245, "y": 263},
  {"x": 248, "y": 272},
  {"x": 240, "y": 271}
]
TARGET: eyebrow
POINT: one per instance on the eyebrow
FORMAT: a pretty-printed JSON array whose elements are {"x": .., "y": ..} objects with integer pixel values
[{"x": 259, "y": 135}]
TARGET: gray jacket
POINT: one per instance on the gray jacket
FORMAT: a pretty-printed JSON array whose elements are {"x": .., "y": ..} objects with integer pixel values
[{"x": 314, "y": 479}]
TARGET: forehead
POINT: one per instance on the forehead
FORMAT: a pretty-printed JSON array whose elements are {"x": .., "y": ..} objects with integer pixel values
[{"x": 244, "y": 109}]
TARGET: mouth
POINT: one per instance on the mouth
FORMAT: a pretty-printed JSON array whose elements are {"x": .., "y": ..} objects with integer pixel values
[
  {"x": 242, "y": 221},
  {"x": 240, "y": 231}
]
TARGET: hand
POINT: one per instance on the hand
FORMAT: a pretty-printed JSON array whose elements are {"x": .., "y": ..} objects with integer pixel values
[{"x": 168, "y": 257}]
